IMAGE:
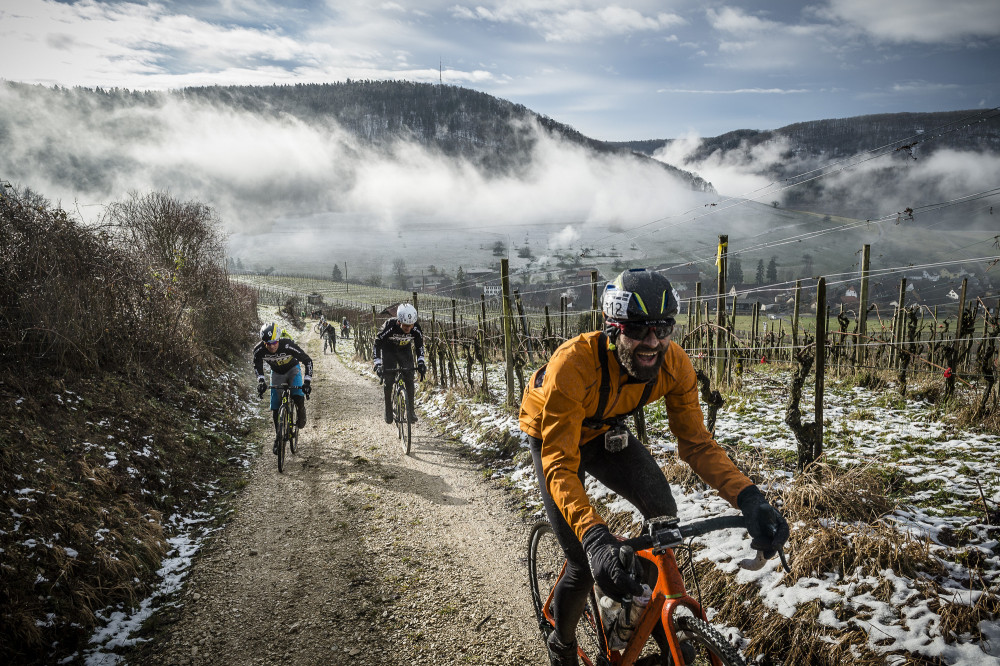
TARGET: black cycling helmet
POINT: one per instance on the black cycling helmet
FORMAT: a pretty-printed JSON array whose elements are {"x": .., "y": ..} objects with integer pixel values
[
  {"x": 270, "y": 332},
  {"x": 638, "y": 295}
]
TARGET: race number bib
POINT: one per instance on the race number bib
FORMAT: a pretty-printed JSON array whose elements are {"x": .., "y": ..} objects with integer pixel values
[{"x": 616, "y": 303}]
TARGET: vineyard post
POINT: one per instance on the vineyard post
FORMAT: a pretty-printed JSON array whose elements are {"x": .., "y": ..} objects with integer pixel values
[
  {"x": 594, "y": 305},
  {"x": 708, "y": 346},
  {"x": 898, "y": 323},
  {"x": 933, "y": 355},
  {"x": 547, "y": 337},
  {"x": 508, "y": 355},
  {"x": 722, "y": 259},
  {"x": 795, "y": 316},
  {"x": 482, "y": 327},
  {"x": 696, "y": 340},
  {"x": 959, "y": 329},
  {"x": 690, "y": 316},
  {"x": 755, "y": 327},
  {"x": 730, "y": 342},
  {"x": 433, "y": 345},
  {"x": 453, "y": 345},
  {"x": 562, "y": 317},
  {"x": 524, "y": 325},
  {"x": 481, "y": 334},
  {"x": 820, "y": 364},
  {"x": 841, "y": 343}
]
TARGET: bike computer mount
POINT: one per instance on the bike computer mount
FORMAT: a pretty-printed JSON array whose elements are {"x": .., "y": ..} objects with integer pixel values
[{"x": 665, "y": 533}]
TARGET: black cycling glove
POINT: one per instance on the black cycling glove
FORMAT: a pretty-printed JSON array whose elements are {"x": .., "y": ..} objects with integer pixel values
[
  {"x": 606, "y": 566},
  {"x": 261, "y": 387},
  {"x": 307, "y": 387},
  {"x": 422, "y": 369},
  {"x": 767, "y": 527}
]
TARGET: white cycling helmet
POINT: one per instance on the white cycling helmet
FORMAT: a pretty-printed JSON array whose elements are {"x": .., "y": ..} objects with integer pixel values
[{"x": 406, "y": 314}]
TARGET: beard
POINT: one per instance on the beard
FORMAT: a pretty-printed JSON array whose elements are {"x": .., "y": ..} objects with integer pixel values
[{"x": 630, "y": 363}]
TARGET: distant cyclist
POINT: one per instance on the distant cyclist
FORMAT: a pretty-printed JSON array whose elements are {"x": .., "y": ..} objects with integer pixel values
[
  {"x": 395, "y": 344},
  {"x": 284, "y": 357},
  {"x": 329, "y": 335},
  {"x": 345, "y": 328}
]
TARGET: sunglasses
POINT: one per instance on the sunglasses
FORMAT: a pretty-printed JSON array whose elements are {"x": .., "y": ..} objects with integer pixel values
[
  {"x": 639, "y": 330},
  {"x": 271, "y": 342}
]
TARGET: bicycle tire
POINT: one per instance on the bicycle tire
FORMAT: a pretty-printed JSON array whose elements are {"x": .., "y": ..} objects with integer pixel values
[
  {"x": 707, "y": 640},
  {"x": 545, "y": 565},
  {"x": 293, "y": 430},
  {"x": 407, "y": 436},
  {"x": 397, "y": 407},
  {"x": 282, "y": 435}
]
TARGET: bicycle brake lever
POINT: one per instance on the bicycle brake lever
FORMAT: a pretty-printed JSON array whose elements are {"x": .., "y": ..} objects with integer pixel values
[{"x": 784, "y": 562}]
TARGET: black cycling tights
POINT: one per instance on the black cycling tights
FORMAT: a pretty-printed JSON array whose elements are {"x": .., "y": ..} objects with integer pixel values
[{"x": 634, "y": 475}]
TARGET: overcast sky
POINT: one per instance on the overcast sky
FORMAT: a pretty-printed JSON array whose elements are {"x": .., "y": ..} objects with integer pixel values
[{"x": 634, "y": 69}]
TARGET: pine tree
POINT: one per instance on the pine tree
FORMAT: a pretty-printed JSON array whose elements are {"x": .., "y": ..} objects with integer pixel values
[
  {"x": 735, "y": 271},
  {"x": 760, "y": 272},
  {"x": 772, "y": 270},
  {"x": 336, "y": 275}
]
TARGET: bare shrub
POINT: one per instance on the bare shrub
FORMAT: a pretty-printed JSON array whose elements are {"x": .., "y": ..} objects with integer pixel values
[{"x": 145, "y": 291}]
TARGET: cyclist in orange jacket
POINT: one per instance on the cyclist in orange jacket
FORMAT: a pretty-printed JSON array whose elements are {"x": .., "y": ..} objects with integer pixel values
[{"x": 574, "y": 411}]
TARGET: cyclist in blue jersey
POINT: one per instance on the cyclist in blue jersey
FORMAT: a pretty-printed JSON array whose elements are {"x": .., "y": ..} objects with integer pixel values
[{"x": 286, "y": 360}]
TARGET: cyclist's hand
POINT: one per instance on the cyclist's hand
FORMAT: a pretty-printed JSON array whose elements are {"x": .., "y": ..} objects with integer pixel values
[
  {"x": 421, "y": 368},
  {"x": 307, "y": 387},
  {"x": 377, "y": 369},
  {"x": 606, "y": 566},
  {"x": 767, "y": 527},
  {"x": 261, "y": 387}
]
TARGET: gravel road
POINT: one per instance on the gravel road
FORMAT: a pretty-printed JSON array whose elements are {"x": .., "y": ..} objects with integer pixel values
[{"x": 358, "y": 554}]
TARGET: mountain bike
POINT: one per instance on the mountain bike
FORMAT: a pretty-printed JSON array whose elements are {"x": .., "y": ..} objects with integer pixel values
[
  {"x": 287, "y": 431},
  {"x": 687, "y": 637},
  {"x": 404, "y": 428}
]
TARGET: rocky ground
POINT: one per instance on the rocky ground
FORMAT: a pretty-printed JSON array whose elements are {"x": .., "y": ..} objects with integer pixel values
[{"x": 357, "y": 554}]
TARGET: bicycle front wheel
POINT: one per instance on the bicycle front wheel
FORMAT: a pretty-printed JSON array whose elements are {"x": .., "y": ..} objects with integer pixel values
[
  {"x": 707, "y": 641},
  {"x": 282, "y": 435},
  {"x": 402, "y": 422},
  {"x": 545, "y": 566}
]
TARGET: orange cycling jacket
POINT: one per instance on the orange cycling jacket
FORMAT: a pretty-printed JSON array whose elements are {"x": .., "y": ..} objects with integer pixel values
[{"x": 556, "y": 403}]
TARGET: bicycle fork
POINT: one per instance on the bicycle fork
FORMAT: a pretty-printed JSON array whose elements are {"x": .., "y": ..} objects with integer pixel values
[{"x": 669, "y": 596}]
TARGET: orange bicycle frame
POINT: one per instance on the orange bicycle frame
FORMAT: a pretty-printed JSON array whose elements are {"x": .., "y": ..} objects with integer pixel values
[{"x": 669, "y": 595}]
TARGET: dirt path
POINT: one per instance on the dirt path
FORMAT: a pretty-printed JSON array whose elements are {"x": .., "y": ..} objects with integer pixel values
[{"x": 358, "y": 554}]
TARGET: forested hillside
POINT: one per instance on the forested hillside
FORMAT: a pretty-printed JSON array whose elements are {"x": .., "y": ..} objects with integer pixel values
[
  {"x": 495, "y": 135},
  {"x": 841, "y": 137},
  {"x": 831, "y": 166}
]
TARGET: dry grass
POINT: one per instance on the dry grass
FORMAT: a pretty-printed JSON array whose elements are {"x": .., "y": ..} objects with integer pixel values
[
  {"x": 127, "y": 341},
  {"x": 854, "y": 494}
]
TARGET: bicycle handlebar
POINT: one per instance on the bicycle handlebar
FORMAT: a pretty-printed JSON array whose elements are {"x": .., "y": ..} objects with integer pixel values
[
  {"x": 659, "y": 536},
  {"x": 284, "y": 387},
  {"x": 666, "y": 533}
]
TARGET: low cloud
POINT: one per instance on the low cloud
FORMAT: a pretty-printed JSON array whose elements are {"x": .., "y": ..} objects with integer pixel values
[
  {"x": 734, "y": 172},
  {"x": 871, "y": 189},
  {"x": 259, "y": 172}
]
